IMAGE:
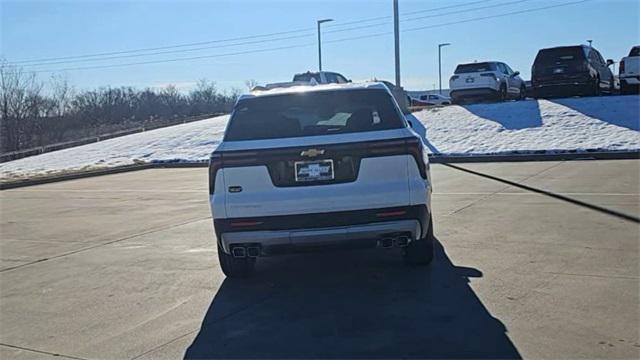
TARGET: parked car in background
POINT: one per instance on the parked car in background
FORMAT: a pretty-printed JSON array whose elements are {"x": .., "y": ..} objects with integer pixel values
[
  {"x": 337, "y": 167},
  {"x": 321, "y": 77},
  {"x": 571, "y": 71},
  {"x": 435, "y": 99},
  {"x": 486, "y": 80},
  {"x": 416, "y": 102},
  {"x": 629, "y": 72},
  {"x": 398, "y": 94}
]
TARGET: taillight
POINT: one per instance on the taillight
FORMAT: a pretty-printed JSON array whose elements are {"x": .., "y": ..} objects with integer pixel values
[
  {"x": 215, "y": 163},
  {"x": 621, "y": 67},
  {"x": 415, "y": 148},
  {"x": 454, "y": 77},
  {"x": 489, "y": 75}
]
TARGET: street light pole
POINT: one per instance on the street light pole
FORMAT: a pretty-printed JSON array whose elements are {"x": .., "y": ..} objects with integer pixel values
[
  {"x": 396, "y": 35},
  {"x": 320, "y": 43},
  {"x": 440, "y": 46}
]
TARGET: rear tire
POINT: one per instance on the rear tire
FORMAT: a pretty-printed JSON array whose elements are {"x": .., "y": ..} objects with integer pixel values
[
  {"x": 597, "y": 91},
  {"x": 523, "y": 93},
  {"x": 420, "y": 252},
  {"x": 235, "y": 267},
  {"x": 502, "y": 96}
]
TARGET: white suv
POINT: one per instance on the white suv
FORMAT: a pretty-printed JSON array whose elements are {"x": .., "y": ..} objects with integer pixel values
[
  {"x": 491, "y": 79},
  {"x": 324, "y": 166}
]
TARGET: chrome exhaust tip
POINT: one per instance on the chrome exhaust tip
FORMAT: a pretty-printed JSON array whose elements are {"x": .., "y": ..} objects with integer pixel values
[
  {"x": 402, "y": 241},
  {"x": 253, "y": 251},
  {"x": 239, "y": 252}
]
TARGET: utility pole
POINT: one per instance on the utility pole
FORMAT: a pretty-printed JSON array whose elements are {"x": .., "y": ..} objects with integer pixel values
[
  {"x": 320, "y": 43},
  {"x": 440, "y": 46},
  {"x": 396, "y": 35}
]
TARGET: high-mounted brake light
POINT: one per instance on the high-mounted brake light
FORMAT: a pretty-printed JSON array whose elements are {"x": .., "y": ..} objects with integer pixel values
[{"x": 215, "y": 163}]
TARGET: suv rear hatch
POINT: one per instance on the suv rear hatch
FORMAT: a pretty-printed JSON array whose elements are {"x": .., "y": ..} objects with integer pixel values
[
  {"x": 560, "y": 64},
  {"x": 474, "y": 76},
  {"x": 315, "y": 152}
]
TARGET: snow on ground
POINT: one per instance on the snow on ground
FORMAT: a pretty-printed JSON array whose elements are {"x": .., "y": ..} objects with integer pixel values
[
  {"x": 559, "y": 125},
  {"x": 575, "y": 124}
]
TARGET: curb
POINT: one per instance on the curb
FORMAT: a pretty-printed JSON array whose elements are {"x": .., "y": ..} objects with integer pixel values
[{"x": 434, "y": 159}]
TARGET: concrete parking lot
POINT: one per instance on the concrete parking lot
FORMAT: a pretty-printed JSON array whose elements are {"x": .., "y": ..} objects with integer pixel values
[{"x": 124, "y": 267}]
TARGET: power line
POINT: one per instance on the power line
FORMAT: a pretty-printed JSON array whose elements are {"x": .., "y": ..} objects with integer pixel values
[
  {"x": 310, "y": 44},
  {"x": 112, "y": 54},
  {"x": 133, "y": 55},
  {"x": 496, "y": 16},
  {"x": 428, "y": 16},
  {"x": 168, "y": 47},
  {"x": 177, "y": 59},
  {"x": 468, "y": 10},
  {"x": 171, "y": 51}
]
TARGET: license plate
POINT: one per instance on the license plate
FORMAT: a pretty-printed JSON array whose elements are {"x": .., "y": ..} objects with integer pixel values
[
  {"x": 318, "y": 170},
  {"x": 469, "y": 80}
]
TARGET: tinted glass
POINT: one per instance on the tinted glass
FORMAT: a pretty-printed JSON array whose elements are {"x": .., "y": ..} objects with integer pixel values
[
  {"x": 331, "y": 78},
  {"x": 565, "y": 55},
  {"x": 307, "y": 77},
  {"x": 475, "y": 67},
  {"x": 311, "y": 114},
  {"x": 635, "y": 51}
]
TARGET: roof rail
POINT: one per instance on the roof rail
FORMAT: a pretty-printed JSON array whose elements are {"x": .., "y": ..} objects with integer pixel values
[{"x": 287, "y": 84}]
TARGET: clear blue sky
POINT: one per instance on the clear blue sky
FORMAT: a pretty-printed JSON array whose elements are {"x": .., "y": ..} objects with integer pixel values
[{"x": 48, "y": 29}]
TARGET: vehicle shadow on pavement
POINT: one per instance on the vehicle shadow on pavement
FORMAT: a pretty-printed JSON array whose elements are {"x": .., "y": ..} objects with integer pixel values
[
  {"x": 625, "y": 113},
  {"x": 351, "y": 305},
  {"x": 512, "y": 115}
]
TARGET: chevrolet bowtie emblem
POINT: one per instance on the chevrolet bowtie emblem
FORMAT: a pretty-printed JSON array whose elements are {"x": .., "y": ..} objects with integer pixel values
[{"x": 312, "y": 152}]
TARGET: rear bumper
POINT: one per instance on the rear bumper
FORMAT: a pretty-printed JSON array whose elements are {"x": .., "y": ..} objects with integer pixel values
[
  {"x": 299, "y": 233},
  {"x": 630, "y": 80},
  {"x": 473, "y": 93},
  {"x": 567, "y": 88}
]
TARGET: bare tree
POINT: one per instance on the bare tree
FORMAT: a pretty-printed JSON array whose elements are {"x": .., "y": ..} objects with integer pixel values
[
  {"x": 62, "y": 94},
  {"x": 20, "y": 97},
  {"x": 250, "y": 84}
]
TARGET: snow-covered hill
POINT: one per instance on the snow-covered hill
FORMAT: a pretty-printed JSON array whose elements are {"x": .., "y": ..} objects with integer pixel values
[{"x": 603, "y": 123}]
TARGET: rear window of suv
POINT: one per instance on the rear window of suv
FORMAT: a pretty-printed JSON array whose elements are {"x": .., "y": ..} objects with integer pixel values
[
  {"x": 475, "y": 67},
  {"x": 564, "y": 55},
  {"x": 313, "y": 113}
]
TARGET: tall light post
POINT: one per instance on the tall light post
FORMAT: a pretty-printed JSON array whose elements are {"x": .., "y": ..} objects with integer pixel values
[
  {"x": 440, "y": 46},
  {"x": 590, "y": 42},
  {"x": 320, "y": 43},
  {"x": 396, "y": 39}
]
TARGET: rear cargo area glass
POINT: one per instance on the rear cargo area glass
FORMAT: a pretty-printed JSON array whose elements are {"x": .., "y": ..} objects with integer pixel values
[
  {"x": 475, "y": 67},
  {"x": 312, "y": 113}
]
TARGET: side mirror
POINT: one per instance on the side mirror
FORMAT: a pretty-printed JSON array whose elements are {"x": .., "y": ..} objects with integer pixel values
[
  {"x": 348, "y": 80},
  {"x": 610, "y": 62},
  {"x": 516, "y": 74}
]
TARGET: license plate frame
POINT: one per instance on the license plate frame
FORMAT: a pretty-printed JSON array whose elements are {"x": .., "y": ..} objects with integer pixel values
[{"x": 314, "y": 170}]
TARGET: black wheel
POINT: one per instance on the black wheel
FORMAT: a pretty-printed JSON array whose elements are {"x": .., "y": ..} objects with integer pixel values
[
  {"x": 596, "y": 91},
  {"x": 502, "y": 96},
  {"x": 420, "y": 252},
  {"x": 235, "y": 267},
  {"x": 624, "y": 88},
  {"x": 523, "y": 93}
]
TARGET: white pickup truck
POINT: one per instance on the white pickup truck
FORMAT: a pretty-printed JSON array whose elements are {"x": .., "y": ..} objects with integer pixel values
[{"x": 630, "y": 72}]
